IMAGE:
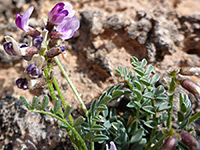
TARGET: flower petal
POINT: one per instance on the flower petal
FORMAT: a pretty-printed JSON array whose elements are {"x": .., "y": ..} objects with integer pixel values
[
  {"x": 15, "y": 45},
  {"x": 68, "y": 27},
  {"x": 22, "y": 20}
]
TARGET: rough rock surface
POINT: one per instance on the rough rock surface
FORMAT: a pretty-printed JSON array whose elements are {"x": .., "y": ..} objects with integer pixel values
[{"x": 22, "y": 130}]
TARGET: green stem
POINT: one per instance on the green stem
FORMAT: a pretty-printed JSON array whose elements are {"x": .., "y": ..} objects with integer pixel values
[
  {"x": 51, "y": 89},
  {"x": 71, "y": 85},
  {"x": 79, "y": 138},
  {"x": 49, "y": 84},
  {"x": 62, "y": 99},
  {"x": 194, "y": 117},
  {"x": 59, "y": 92},
  {"x": 169, "y": 120},
  {"x": 171, "y": 100},
  {"x": 92, "y": 145}
]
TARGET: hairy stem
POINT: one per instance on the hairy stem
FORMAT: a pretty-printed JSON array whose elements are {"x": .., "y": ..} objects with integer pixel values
[
  {"x": 62, "y": 99},
  {"x": 71, "y": 85},
  {"x": 170, "y": 111},
  {"x": 49, "y": 85}
]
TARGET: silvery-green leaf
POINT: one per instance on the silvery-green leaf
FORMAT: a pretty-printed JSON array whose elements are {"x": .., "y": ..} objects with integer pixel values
[
  {"x": 35, "y": 102},
  {"x": 57, "y": 106},
  {"x": 138, "y": 93},
  {"x": 117, "y": 93},
  {"x": 79, "y": 121},
  {"x": 154, "y": 79},
  {"x": 137, "y": 136},
  {"x": 134, "y": 59},
  {"x": 180, "y": 116},
  {"x": 138, "y": 85},
  {"x": 99, "y": 137},
  {"x": 137, "y": 104},
  {"x": 93, "y": 107},
  {"x": 145, "y": 81},
  {"x": 139, "y": 71},
  {"x": 159, "y": 90},
  {"x": 150, "y": 124},
  {"x": 25, "y": 102},
  {"x": 45, "y": 102},
  {"x": 102, "y": 107},
  {"x": 161, "y": 97},
  {"x": 149, "y": 109},
  {"x": 119, "y": 86},
  {"x": 164, "y": 106},
  {"x": 68, "y": 111},
  {"x": 149, "y": 69},
  {"x": 106, "y": 99},
  {"x": 148, "y": 95},
  {"x": 143, "y": 63},
  {"x": 97, "y": 128}
]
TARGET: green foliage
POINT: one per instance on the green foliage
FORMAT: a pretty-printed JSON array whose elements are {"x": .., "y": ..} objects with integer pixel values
[{"x": 139, "y": 126}]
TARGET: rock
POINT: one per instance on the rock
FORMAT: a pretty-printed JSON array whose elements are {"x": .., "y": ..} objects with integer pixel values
[
  {"x": 95, "y": 21},
  {"x": 115, "y": 22},
  {"x": 21, "y": 129},
  {"x": 191, "y": 31}
]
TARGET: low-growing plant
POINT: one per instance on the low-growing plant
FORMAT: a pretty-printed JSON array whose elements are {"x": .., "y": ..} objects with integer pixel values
[{"x": 146, "y": 122}]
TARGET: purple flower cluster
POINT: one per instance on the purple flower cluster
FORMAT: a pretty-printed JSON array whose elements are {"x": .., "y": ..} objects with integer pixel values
[{"x": 42, "y": 45}]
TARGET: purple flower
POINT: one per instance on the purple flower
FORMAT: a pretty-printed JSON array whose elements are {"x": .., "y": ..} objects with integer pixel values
[
  {"x": 112, "y": 146},
  {"x": 32, "y": 70},
  {"x": 59, "y": 12},
  {"x": 22, "y": 83},
  {"x": 68, "y": 27},
  {"x": 8, "y": 47},
  {"x": 22, "y": 20},
  {"x": 39, "y": 62},
  {"x": 37, "y": 41},
  {"x": 12, "y": 47}
]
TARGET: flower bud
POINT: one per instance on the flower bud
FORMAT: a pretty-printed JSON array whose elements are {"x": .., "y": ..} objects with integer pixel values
[
  {"x": 189, "y": 140},
  {"x": 30, "y": 51},
  {"x": 170, "y": 143},
  {"x": 55, "y": 51},
  {"x": 22, "y": 83},
  {"x": 191, "y": 87},
  {"x": 33, "y": 32},
  {"x": 55, "y": 35},
  {"x": 37, "y": 41}
]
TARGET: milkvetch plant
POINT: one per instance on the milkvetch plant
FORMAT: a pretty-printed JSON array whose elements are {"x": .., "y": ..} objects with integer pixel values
[{"x": 146, "y": 122}]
